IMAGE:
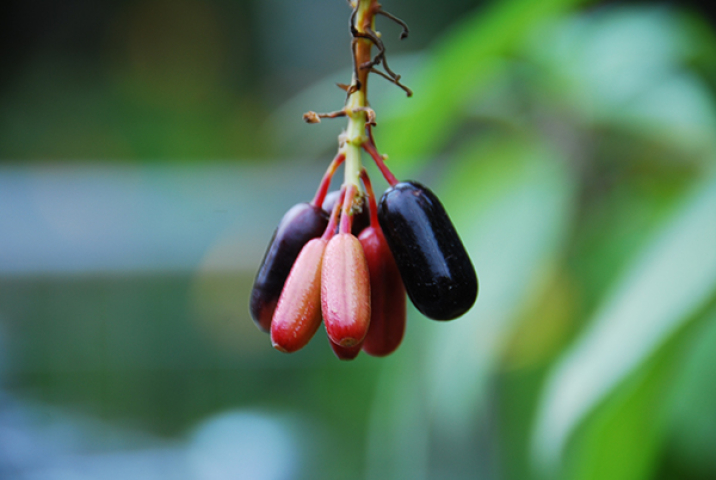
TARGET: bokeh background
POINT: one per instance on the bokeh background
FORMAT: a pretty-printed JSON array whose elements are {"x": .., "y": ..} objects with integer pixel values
[{"x": 148, "y": 149}]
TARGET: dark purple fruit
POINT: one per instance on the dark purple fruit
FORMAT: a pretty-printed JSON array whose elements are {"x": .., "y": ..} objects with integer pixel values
[
  {"x": 436, "y": 270},
  {"x": 361, "y": 220},
  {"x": 299, "y": 225}
]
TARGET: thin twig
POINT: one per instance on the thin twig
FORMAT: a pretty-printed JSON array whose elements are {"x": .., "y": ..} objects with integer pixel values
[
  {"x": 313, "y": 117},
  {"x": 404, "y": 33},
  {"x": 396, "y": 81}
]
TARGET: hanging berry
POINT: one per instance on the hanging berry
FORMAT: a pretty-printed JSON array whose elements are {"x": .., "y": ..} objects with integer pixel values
[
  {"x": 387, "y": 294},
  {"x": 300, "y": 224},
  {"x": 433, "y": 263},
  {"x": 345, "y": 284},
  {"x": 351, "y": 269}
]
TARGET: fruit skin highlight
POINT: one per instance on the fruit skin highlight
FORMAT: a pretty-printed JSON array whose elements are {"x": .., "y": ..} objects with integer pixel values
[
  {"x": 298, "y": 313},
  {"x": 387, "y": 296},
  {"x": 300, "y": 224},
  {"x": 345, "y": 291},
  {"x": 436, "y": 270}
]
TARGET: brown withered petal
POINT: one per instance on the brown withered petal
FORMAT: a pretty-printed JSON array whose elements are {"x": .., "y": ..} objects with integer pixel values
[
  {"x": 298, "y": 313},
  {"x": 345, "y": 291},
  {"x": 387, "y": 296}
]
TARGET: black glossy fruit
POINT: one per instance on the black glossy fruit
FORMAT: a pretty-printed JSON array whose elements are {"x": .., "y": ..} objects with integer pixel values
[
  {"x": 435, "y": 268},
  {"x": 299, "y": 225}
]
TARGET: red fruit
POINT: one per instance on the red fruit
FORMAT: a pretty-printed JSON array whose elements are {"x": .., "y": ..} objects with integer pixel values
[
  {"x": 298, "y": 312},
  {"x": 346, "y": 353},
  {"x": 387, "y": 295},
  {"x": 345, "y": 291}
]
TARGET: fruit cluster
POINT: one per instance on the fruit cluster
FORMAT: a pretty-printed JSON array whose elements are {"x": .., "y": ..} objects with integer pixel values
[
  {"x": 347, "y": 261},
  {"x": 352, "y": 267}
]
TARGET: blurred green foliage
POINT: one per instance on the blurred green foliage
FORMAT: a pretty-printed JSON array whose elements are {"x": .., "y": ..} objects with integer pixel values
[
  {"x": 576, "y": 155},
  {"x": 628, "y": 124},
  {"x": 573, "y": 147}
]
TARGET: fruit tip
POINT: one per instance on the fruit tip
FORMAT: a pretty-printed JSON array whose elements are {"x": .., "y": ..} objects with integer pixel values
[{"x": 278, "y": 347}]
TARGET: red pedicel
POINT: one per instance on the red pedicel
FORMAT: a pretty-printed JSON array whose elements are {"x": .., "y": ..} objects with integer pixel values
[
  {"x": 345, "y": 291},
  {"x": 387, "y": 296},
  {"x": 298, "y": 313},
  {"x": 361, "y": 218}
]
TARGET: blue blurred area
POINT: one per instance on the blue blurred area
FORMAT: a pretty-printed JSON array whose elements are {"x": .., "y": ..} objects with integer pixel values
[
  {"x": 124, "y": 293},
  {"x": 45, "y": 443},
  {"x": 115, "y": 218}
]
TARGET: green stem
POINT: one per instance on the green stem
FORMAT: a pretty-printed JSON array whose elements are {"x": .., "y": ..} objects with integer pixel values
[{"x": 358, "y": 100}]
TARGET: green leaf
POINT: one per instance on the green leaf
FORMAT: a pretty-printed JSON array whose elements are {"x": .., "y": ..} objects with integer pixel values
[
  {"x": 673, "y": 277},
  {"x": 624, "y": 67},
  {"x": 621, "y": 440},
  {"x": 458, "y": 68},
  {"x": 692, "y": 421},
  {"x": 511, "y": 201}
]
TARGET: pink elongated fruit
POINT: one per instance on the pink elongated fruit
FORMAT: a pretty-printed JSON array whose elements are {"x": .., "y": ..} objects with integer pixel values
[
  {"x": 387, "y": 296},
  {"x": 300, "y": 224},
  {"x": 298, "y": 312},
  {"x": 345, "y": 291}
]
